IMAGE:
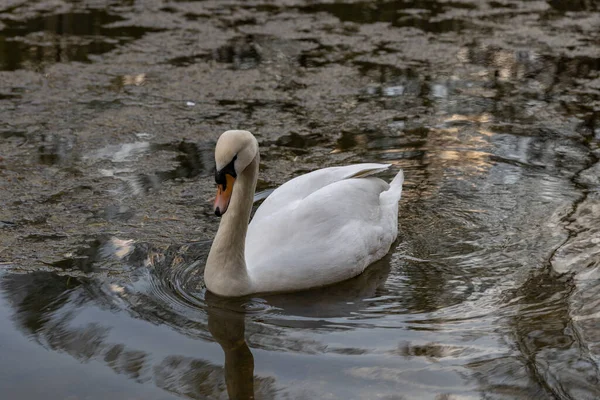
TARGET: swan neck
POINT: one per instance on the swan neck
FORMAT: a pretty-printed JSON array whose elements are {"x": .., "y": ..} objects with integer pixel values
[{"x": 225, "y": 271}]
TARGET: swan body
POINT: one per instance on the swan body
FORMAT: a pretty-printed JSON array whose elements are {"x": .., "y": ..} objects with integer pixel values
[{"x": 317, "y": 229}]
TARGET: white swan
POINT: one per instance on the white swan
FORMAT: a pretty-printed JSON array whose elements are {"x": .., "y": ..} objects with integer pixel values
[{"x": 317, "y": 229}]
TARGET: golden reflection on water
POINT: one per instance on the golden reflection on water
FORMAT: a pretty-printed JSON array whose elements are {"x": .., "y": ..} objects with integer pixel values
[{"x": 135, "y": 80}]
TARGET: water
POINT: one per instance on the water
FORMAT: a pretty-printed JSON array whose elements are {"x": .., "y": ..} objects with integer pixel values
[{"x": 108, "y": 116}]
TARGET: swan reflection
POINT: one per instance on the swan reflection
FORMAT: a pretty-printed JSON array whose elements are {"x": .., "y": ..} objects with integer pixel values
[{"x": 227, "y": 328}]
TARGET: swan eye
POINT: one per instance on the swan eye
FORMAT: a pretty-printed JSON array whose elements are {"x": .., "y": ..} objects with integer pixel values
[{"x": 229, "y": 169}]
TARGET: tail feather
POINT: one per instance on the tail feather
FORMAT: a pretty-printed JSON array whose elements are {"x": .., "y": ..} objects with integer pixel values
[{"x": 394, "y": 193}]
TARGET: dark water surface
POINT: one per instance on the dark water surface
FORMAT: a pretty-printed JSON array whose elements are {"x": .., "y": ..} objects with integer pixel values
[{"x": 108, "y": 115}]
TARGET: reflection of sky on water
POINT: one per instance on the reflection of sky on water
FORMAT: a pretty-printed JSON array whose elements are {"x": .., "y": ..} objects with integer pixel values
[{"x": 189, "y": 161}]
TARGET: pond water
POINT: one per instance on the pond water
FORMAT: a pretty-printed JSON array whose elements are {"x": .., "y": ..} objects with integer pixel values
[{"x": 109, "y": 111}]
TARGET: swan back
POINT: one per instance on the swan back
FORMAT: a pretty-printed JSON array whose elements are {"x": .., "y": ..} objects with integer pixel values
[{"x": 304, "y": 185}]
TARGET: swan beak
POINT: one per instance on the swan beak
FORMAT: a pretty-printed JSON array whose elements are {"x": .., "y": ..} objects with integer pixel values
[{"x": 224, "y": 195}]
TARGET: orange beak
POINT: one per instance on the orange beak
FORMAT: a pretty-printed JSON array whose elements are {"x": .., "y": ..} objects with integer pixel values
[{"x": 224, "y": 195}]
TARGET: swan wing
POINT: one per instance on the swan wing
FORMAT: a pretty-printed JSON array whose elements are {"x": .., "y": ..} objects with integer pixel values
[
  {"x": 327, "y": 236},
  {"x": 304, "y": 185}
]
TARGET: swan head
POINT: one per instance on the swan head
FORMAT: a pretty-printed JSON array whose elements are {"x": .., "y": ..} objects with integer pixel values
[{"x": 235, "y": 150}]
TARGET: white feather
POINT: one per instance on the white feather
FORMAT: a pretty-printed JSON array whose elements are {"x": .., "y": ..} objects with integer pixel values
[
  {"x": 322, "y": 227},
  {"x": 317, "y": 229}
]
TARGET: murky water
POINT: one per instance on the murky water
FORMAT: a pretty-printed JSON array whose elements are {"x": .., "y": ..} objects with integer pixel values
[{"x": 108, "y": 115}]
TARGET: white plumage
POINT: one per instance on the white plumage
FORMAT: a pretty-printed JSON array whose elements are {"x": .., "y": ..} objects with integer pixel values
[
  {"x": 317, "y": 229},
  {"x": 322, "y": 228}
]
